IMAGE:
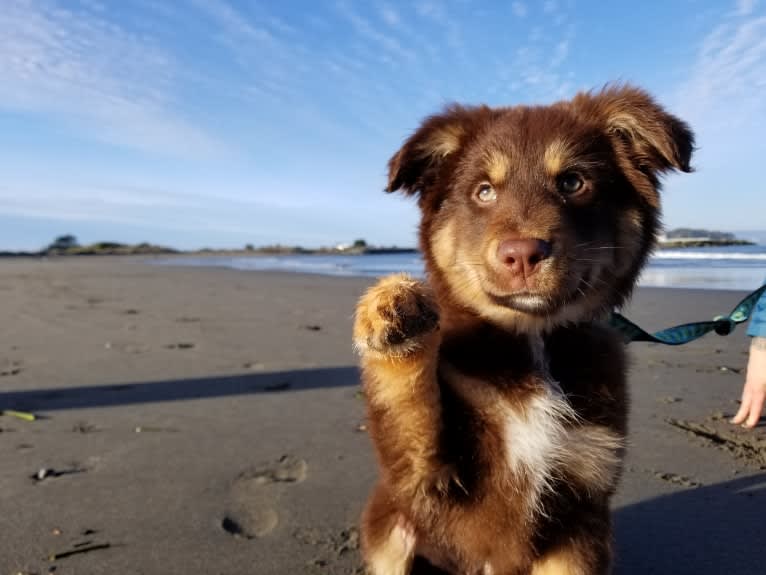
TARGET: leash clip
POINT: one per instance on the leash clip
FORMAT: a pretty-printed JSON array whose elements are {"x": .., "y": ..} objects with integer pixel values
[{"x": 724, "y": 325}]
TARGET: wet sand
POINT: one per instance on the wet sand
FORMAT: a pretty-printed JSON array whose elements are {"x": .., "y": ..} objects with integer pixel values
[{"x": 199, "y": 420}]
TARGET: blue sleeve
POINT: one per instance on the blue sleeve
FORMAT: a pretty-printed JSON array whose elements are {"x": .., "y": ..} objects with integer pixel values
[{"x": 757, "y": 327}]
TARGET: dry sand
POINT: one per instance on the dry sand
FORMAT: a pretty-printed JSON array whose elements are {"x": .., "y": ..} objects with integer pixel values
[{"x": 208, "y": 421}]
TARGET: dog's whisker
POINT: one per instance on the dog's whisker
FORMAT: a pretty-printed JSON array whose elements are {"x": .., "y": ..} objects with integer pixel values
[
  {"x": 601, "y": 281},
  {"x": 588, "y": 284}
]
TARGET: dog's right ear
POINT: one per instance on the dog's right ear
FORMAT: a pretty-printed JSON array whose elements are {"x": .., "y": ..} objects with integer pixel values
[{"x": 439, "y": 137}]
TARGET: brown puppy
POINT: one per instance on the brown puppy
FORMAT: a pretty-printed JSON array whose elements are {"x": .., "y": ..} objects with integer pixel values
[{"x": 496, "y": 394}]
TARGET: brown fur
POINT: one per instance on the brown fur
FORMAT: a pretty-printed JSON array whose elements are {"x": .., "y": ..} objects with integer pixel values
[{"x": 496, "y": 395}]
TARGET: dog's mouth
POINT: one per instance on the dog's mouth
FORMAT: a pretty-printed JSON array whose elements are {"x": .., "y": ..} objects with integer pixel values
[
  {"x": 537, "y": 303},
  {"x": 527, "y": 302}
]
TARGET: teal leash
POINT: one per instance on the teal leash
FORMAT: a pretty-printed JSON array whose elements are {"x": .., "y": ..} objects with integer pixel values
[{"x": 680, "y": 334}]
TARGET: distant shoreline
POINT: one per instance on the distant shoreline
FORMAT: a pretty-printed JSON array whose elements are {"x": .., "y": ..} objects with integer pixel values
[
  {"x": 151, "y": 250},
  {"x": 126, "y": 251},
  {"x": 680, "y": 243}
]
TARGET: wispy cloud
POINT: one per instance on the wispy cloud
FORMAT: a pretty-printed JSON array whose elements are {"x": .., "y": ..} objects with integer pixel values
[
  {"x": 148, "y": 207},
  {"x": 519, "y": 9},
  {"x": 94, "y": 76},
  {"x": 267, "y": 50},
  {"x": 284, "y": 71},
  {"x": 745, "y": 7},
  {"x": 722, "y": 100},
  {"x": 279, "y": 72},
  {"x": 389, "y": 14},
  {"x": 237, "y": 27},
  {"x": 728, "y": 78},
  {"x": 386, "y": 43},
  {"x": 537, "y": 67},
  {"x": 438, "y": 13}
]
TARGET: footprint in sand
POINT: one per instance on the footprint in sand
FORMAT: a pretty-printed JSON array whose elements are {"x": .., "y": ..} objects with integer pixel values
[
  {"x": 8, "y": 368},
  {"x": 181, "y": 345},
  {"x": 255, "y": 496}
]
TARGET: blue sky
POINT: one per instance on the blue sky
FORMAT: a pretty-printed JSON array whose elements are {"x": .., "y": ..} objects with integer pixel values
[{"x": 223, "y": 122}]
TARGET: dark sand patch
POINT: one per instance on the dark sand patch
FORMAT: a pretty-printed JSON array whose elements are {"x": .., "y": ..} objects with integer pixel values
[{"x": 746, "y": 445}]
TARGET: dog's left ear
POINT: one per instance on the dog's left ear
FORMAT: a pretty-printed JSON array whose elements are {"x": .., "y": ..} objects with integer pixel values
[{"x": 653, "y": 140}]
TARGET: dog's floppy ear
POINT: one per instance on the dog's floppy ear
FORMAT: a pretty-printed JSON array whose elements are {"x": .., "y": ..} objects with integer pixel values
[
  {"x": 654, "y": 140},
  {"x": 439, "y": 137}
]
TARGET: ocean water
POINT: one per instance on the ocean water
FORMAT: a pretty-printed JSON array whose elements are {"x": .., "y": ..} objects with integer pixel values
[{"x": 728, "y": 267}]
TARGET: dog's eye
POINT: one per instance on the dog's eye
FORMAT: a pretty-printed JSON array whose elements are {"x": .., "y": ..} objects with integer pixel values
[
  {"x": 486, "y": 194},
  {"x": 571, "y": 184}
]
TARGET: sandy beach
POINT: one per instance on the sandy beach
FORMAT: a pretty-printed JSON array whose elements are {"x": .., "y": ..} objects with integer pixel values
[{"x": 200, "y": 420}]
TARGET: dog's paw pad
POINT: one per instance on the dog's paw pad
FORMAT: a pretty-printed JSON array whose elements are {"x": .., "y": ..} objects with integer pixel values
[{"x": 394, "y": 315}]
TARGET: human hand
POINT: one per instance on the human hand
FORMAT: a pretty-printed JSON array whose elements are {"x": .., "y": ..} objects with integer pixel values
[{"x": 754, "y": 392}]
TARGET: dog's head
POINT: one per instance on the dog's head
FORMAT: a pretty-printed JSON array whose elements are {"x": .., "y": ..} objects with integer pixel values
[{"x": 538, "y": 216}]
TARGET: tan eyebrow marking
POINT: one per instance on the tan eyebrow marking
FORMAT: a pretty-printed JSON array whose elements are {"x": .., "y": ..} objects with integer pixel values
[
  {"x": 497, "y": 166},
  {"x": 555, "y": 156}
]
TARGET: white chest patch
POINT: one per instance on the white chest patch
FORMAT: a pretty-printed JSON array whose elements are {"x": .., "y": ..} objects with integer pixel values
[
  {"x": 543, "y": 437},
  {"x": 537, "y": 434}
]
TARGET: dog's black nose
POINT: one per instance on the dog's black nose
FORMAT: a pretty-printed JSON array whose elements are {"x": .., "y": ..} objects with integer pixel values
[{"x": 523, "y": 256}]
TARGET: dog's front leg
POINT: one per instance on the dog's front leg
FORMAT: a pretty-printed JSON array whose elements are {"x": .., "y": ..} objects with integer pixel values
[{"x": 397, "y": 335}]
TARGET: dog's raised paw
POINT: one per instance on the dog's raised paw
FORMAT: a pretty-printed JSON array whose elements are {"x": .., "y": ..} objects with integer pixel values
[{"x": 395, "y": 315}]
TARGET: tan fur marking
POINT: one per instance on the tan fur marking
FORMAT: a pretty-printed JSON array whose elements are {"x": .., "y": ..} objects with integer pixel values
[
  {"x": 443, "y": 246},
  {"x": 628, "y": 242},
  {"x": 555, "y": 156},
  {"x": 629, "y": 124},
  {"x": 399, "y": 380},
  {"x": 636, "y": 219},
  {"x": 395, "y": 555},
  {"x": 497, "y": 166},
  {"x": 558, "y": 563},
  {"x": 444, "y": 141}
]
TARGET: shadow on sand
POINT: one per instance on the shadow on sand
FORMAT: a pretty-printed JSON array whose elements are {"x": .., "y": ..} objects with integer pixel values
[
  {"x": 712, "y": 530},
  {"x": 175, "y": 390}
]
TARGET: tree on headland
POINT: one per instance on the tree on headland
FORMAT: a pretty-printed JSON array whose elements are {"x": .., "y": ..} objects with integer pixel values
[
  {"x": 359, "y": 244},
  {"x": 69, "y": 246},
  {"x": 699, "y": 233},
  {"x": 63, "y": 243}
]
